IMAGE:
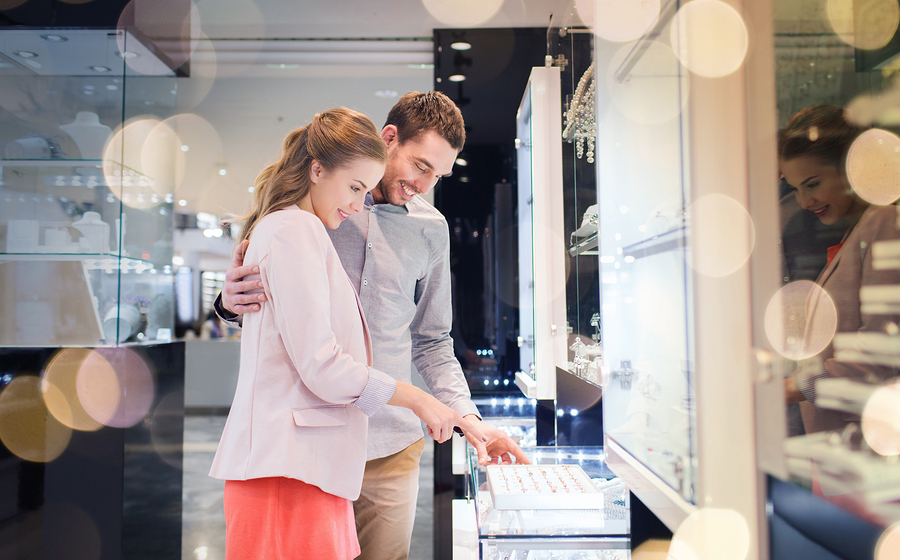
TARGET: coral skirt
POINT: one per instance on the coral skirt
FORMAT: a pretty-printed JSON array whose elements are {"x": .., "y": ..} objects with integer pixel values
[{"x": 286, "y": 519}]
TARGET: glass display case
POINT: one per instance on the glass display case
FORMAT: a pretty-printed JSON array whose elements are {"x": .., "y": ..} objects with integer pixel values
[
  {"x": 542, "y": 313},
  {"x": 675, "y": 250},
  {"x": 87, "y": 190},
  {"x": 573, "y": 533}
]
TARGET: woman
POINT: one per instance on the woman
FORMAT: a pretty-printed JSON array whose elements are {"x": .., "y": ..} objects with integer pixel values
[
  {"x": 294, "y": 446},
  {"x": 812, "y": 152}
]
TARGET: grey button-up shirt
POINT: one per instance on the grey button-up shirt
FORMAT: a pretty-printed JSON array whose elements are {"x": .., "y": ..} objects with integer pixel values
[{"x": 398, "y": 259}]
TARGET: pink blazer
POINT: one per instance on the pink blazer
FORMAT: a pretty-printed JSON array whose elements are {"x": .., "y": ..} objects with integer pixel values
[
  {"x": 850, "y": 270},
  {"x": 305, "y": 360}
]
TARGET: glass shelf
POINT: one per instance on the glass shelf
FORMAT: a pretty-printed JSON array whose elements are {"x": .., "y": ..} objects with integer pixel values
[{"x": 502, "y": 533}]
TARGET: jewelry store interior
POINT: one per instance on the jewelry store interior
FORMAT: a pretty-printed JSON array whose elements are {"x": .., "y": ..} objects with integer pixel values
[{"x": 674, "y": 252}]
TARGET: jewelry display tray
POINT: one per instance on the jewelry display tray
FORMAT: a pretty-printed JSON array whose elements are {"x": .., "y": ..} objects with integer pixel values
[{"x": 542, "y": 487}]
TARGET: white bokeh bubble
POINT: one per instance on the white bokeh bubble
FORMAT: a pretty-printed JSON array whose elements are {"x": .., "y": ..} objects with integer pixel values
[
  {"x": 722, "y": 235},
  {"x": 873, "y": 166},
  {"x": 622, "y": 20},
  {"x": 462, "y": 13},
  {"x": 654, "y": 90},
  {"x": 801, "y": 320},
  {"x": 711, "y": 534},
  {"x": 865, "y": 25},
  {"x": 709, "y": 37},
  {"x": 123, "y": 163},
  {"x": 164, "y": 24},
  {"x": 888, "y": 546},
  {"x": 881, "y": 419}
]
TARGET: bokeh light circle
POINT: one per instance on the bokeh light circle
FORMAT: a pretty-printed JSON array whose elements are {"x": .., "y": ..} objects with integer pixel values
[
  {"x": 123, "y": 165},
  {"x": 165, "y": 25},
  {"x": 709, "y": 37},
  {"x": 115, "y": 386},
  {"x": 881, "y": 419},
  {"x": 462, "y": 13},
  {"x": 167, "y": 429},
  {"x": 787, "y": 328},
  {"x": 192, "y": 168},
  {"x": 873, "y": 166},
  {"x": 70, "y": 532},
  {"x": 711, "y": 534},
  {"x": 888, "y": 547},
  {"x": 722, "y": 235},
  {"x": 865, "y": 25},
  {"x": 60, "y": 392},
  {"x": 27, "y": 428},
  {"x": 623, "y": 20},
  {"x": 204, "y": 71},
  {"x": 654, "y": 91}
]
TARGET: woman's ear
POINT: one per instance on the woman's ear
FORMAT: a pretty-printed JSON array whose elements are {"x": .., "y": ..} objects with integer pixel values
[{"x": 315, "y": 171}]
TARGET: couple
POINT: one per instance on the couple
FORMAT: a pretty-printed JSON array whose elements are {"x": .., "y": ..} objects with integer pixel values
[{"x": 295, "y": 451}]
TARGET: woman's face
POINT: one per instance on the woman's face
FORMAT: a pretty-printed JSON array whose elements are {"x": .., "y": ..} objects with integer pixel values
[
  {"x": 821, "y": 188},
  {"x": 335, "y": 195}
]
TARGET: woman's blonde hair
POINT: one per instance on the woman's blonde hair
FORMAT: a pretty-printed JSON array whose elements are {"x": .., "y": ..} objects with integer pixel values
[{"x": 334, "y": 138}]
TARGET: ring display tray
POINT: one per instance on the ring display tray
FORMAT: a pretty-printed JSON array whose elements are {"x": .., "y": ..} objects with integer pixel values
[{"x": 542, "y": 487}]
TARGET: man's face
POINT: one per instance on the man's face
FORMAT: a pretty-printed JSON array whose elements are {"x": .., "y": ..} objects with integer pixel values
[{"x": 413, "y": 167}]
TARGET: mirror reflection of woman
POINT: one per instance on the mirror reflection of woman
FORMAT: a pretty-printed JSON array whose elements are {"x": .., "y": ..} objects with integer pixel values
[{"x": 812, "y": 152}]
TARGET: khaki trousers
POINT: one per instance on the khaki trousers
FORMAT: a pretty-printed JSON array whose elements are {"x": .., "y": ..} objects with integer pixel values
[{"x": 386, "y": 507}]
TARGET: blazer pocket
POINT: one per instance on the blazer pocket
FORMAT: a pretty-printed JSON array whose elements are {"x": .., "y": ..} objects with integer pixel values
[{"x": 320, "y": 416}]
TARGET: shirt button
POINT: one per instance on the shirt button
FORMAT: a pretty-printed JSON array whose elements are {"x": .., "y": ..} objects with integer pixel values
[
  {"x": 365, "y": 282},
  {"x": 370, "y": 245}
]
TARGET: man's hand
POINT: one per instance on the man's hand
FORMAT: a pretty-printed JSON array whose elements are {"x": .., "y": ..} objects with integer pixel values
[
  {"x": 500, "y": 447},
  {"x": 234, "y": 298}
]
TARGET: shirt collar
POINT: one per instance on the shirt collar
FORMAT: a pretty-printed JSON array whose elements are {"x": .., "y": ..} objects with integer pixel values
[{"x": 387, "y": 207}]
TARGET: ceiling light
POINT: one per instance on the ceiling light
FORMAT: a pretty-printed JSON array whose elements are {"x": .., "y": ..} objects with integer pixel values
[
  {"x": 460, "y": 46},
  {"x": 283, "y": 66},
  {"x": 26, "y": 54},
  {"x": 461, "y": 162},
  {"x": 386, "y": 93},
  {"x": 182, "y": 202},
  {"x": 457, "y": 77},
  {"x": 250, "y": 189},
  {"x": 223, "y": 172},
  {"x": 88, "y": 86},
  {"x": 99, "y": 69},
  {"x": 6, "y": 65},
  {"x": 421, "y": 66},
  {"x": 112, "y": 87},
  {"x": 54, "y": 38},
  {"x": 126, "y": 54}
]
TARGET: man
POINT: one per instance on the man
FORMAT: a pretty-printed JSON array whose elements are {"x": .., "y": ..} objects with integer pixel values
[{"x": 397, "y": 255}]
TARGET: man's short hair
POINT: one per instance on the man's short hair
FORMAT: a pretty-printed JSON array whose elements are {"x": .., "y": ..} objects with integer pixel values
[{"x": 418, "y": 112}]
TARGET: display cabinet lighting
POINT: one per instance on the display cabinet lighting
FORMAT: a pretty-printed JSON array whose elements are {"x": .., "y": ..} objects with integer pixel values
[
  {"x": 457, "y": 77},
  {"x": 460, "y": 46},
  {"x": 54, "y": 38},
  {"x": 126, "y": 54},
  {"x": 26, "y": 54},
  {"x": 100, "y": 69}
]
